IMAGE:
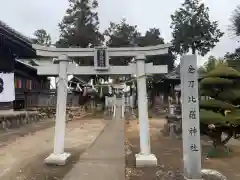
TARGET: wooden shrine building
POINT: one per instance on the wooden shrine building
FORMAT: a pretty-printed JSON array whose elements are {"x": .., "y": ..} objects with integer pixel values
[
  {"x": 14, "y": 46},
  {"x": 171, "y": 83}
]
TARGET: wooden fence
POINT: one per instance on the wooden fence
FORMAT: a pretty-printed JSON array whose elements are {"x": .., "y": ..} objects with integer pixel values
[{"x": 43, "y": 98}]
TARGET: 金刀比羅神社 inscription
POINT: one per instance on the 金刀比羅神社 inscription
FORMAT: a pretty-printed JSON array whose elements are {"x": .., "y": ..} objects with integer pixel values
[
  {"x": 192, "y": 100},
  {"x": 190, "y": 117}
]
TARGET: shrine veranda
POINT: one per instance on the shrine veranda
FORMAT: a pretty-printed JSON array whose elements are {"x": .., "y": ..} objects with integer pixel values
[{"x": 189, "y": 88}]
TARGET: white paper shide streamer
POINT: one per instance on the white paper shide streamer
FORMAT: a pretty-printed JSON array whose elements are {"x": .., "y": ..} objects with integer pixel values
[{"x": 7, "y": 90}]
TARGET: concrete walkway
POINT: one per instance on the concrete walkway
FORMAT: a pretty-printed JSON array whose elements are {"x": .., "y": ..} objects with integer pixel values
[{"x": 105, "y": 159}]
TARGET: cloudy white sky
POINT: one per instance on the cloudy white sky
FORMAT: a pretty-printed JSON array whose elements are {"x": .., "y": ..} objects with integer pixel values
[{"x": 26, "y": 16}]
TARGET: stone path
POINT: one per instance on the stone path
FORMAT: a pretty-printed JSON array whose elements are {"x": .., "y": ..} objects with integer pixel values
[{"x": 105, "y": 159}]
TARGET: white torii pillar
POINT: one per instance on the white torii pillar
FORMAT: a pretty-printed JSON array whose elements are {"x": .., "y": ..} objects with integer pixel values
[
  {"x": 144, "y": 158},
  {"x": 58, "y": 156}
]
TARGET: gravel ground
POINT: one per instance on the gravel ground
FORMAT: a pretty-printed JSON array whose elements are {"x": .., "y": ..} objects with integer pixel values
[
  {"x": 169, "y": 154},
  {"x": 155, "y": 173}
]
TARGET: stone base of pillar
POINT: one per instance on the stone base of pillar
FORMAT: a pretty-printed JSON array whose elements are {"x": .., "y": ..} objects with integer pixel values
[
  {"x": 57, "y": 159},
  {"x": 145, "y": 160}
]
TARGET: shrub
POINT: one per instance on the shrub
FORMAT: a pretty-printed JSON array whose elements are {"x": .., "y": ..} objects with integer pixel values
[
  {"x": 216, "y": 104},
  {"x": 223, "y": 72},
  {"x": 220, "y": 114}
]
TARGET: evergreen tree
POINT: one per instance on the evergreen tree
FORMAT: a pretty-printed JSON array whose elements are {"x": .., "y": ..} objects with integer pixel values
[
  {"x": 42, "y": 37},
  {"x": 233, "y": 56},
  {"x": 193, "y": 29},
  {"x": 153, "y": 37},
  {"x": 80, "y": 25},
  {"x": 211, "y": 64},
  {"x": 219, "y": 114},
  {"x": 121, "y": 35},
  {"x": 236, "y": 21},
  {"x": 126, "y": 35},
  {"x": 80, "y": 28}
]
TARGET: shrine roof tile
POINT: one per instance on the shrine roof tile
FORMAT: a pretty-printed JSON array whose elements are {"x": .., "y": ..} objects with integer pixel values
[{"x": 15, "y": 33}]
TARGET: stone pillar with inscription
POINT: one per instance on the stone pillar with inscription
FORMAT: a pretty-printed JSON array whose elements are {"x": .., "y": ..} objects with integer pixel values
[{"x": 190, "y": 118}]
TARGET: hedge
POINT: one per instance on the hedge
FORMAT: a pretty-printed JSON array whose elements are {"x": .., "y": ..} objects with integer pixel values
[
  {"x": 210, "y": 117},
  {"x": 216, "y": 104},
  {"x": 210, "y": 81},
  {"x": 223, "y": 71}
]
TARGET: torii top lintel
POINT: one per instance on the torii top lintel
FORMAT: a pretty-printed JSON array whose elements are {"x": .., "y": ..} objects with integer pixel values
[{"x": 83, "y": 52}]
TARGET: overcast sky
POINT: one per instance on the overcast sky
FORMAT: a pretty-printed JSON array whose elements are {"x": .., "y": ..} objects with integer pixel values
[{"x": 26, "y": 16}]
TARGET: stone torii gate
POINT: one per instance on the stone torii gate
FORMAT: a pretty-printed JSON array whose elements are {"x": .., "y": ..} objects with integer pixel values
[{"x": 62, "y": 68}]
